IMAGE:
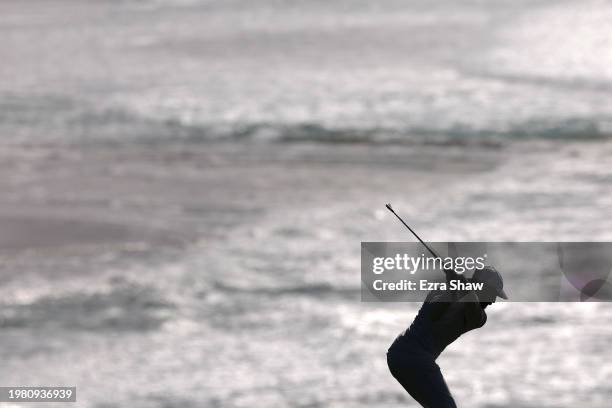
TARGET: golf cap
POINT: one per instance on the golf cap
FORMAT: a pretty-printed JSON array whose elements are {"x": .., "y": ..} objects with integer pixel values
[{"x": 489, "y": 276}]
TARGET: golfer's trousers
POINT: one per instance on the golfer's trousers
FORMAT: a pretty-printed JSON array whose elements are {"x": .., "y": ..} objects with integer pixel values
[{"x": 417, "y": 371}]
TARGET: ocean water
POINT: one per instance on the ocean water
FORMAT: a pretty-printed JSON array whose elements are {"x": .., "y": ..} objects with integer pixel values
[
  {"x": 186, "y": 184},
  {"x": 285, "y": 70}
]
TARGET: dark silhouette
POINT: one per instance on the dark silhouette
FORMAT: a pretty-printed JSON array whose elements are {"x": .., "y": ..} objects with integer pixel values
[{"x": 443, "y": 317}]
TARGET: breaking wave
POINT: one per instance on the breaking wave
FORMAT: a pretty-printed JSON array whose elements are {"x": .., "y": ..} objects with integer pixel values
[{"x": 73, "y": 122}]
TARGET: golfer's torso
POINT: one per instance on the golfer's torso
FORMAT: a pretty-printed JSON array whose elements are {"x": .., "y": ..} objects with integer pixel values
[{"x": 440, "y": 321}]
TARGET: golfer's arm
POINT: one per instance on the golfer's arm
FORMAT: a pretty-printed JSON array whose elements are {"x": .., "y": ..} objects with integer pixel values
[
  {"x": 474, "y": 315},
  {"x": 451, "y": 275}
]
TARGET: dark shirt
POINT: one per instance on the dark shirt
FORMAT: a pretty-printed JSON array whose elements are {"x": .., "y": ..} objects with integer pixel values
[{"x": 443, "y": 317}]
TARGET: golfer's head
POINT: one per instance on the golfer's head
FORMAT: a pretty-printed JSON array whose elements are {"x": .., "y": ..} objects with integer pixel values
[{"x": 493, "y": 284}]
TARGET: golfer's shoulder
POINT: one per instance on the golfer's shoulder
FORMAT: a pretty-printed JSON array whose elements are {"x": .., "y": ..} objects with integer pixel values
[
  {"x": 482, "y": 319},
  {"x": 474, "y": 315}
]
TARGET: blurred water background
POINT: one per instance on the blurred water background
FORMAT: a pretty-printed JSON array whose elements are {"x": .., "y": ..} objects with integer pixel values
[{"x": 185, "y": 185}]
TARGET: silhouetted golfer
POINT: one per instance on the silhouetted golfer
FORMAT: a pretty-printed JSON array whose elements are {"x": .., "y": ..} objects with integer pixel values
[{"x": 443, "y": 317}]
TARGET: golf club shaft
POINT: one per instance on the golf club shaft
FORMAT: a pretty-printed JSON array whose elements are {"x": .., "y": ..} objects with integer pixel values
[{"x": 413, "y": 233}]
